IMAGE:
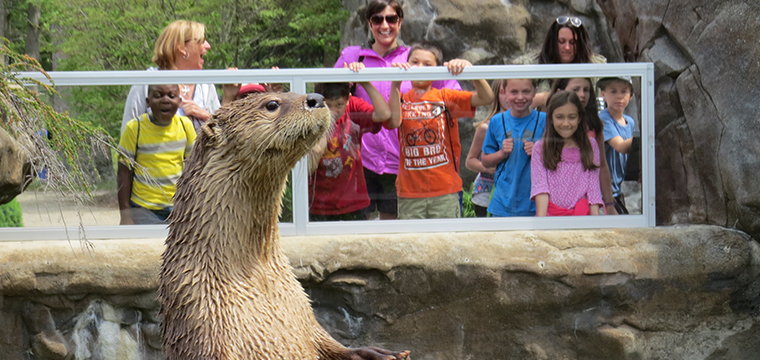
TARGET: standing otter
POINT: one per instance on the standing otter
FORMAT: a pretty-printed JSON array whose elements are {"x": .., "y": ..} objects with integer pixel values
[{"x": 227, "y": 290}]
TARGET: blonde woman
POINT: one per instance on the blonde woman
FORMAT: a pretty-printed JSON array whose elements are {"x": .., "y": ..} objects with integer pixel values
[{"x": 181, "y": 46}]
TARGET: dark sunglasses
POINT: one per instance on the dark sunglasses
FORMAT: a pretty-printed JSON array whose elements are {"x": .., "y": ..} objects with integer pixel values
[
  {"x": 574, "y": 21},
  {"x": 200, "y": 41},
  {"x": 378, "y": 19}
]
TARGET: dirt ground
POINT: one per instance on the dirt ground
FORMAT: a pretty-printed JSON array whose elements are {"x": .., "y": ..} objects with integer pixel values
[{"x": 42, "y": 209}]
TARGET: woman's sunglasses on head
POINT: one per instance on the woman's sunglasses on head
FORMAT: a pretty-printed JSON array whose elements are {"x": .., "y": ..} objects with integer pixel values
[
  {"x": 574, "y": 21},
  {"x": 378, "y": 19}
]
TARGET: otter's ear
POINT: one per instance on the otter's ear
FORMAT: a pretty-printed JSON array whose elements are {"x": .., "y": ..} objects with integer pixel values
[{"x": 214, "y": 134}]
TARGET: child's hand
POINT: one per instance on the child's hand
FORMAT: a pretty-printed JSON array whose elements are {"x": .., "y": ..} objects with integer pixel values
[
  {"x": 528, "y": 146},
  {"x": 403, "y": 65},
  {"x": 354, "y": 66},
  {"x": 507, "y": 146},
  {"x": 456, "y": 66}
]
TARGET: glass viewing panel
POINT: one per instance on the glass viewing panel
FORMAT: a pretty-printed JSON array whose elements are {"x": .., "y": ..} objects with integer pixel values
[{"x": 328, "y": 191}]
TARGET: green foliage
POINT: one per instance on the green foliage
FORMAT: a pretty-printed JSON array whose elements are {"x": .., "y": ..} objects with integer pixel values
[
  {"x": 120, "y": 35},
  {"x": 467, "y": 208},
  {"x": 11, "y": 215},
  {"x": 66, "y": 155}
]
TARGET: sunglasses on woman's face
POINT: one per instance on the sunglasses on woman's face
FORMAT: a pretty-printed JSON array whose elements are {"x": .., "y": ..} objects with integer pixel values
[
  {"x": 378, "y": 19},
  {"x": 574, "y": 21}
]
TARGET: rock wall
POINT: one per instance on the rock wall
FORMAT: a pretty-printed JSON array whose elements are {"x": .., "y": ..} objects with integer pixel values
[
  {"x": 15, "y": 168},
  {"x": 706, "y": 56},
  {"x": 669, "y": 293}
]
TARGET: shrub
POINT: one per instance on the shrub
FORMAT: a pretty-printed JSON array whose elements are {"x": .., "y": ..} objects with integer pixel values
[{"x": 11, "y": 215}]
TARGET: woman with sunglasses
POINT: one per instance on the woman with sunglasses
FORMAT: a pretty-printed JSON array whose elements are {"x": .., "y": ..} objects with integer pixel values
[
  {"x": 181, "y": 46},
  {"x": 380, "y": 152},
  {"x": 566, "y": 42}
]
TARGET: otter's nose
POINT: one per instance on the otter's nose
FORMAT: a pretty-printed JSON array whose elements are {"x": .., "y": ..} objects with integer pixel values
[{"x": 315, "y": 101}]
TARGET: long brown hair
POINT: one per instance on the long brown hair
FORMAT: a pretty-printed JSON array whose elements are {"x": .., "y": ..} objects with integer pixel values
[
  {"x": 550, "y": 51},
  {"x": 553, "y": 142},
  {"x": 592, "y": 107},
  {"x": 495, "y": 108}
]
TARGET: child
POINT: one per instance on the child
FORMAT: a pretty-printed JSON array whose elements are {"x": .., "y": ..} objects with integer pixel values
[
  {"x": 583, "y": 87},
  {"x": 508, "y": 145},
  {"x": 158, "y": 143},
  {"x": 618, "y": 132},
  {"x": 428, "y": 182},
  {"x": 337, "y": 189},
  {"x": 484, "y": 182},
  {"x": 564, "y": 168}
]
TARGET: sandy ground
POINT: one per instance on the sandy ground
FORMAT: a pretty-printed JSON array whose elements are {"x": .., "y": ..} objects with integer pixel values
[{"x": 48, "y": 209}]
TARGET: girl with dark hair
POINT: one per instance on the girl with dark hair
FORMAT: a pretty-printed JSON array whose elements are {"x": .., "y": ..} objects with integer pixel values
[
  {"x": 380, "y": 151},
  {"x": 564, "y": 167},
  {"x": 584, "y": 89}
]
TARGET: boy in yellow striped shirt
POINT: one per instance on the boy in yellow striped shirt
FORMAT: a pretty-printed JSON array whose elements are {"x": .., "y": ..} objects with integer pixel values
[{"x": 158, "y": 142}]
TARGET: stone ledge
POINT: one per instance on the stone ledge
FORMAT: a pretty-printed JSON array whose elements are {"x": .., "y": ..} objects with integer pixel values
[{"x": 673, "y": 292}]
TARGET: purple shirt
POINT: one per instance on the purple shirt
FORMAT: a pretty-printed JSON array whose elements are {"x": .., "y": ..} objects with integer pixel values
[
  {"x": 570, "y": 182},
  {"x": 380, "y": 151}
]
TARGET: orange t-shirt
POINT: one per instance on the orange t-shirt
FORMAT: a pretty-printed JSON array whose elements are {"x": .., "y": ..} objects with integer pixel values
[{"x": 430, "y": 148}]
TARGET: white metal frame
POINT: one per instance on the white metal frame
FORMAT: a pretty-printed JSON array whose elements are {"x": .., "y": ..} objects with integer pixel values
[{"x": 298, "y": 79}]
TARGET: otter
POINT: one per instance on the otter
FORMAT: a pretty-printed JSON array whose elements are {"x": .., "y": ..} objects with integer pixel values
[{"x": 227, "y": 290}]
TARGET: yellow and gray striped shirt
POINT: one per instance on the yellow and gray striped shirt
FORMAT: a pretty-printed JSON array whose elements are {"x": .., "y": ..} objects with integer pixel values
[{"x": 161, "y": 151}]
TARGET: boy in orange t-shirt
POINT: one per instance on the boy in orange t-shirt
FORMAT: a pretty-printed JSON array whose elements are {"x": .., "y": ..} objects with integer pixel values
[{"x": 428, "y": 182}]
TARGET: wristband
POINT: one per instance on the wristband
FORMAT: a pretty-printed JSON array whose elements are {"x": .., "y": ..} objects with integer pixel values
[{"x": 609, "y": 204}]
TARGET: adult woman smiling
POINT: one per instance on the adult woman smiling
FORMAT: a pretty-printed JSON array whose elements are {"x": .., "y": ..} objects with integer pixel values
[
  {"x": 380, "y": 152},
  {"x": 181, "y": 46}
]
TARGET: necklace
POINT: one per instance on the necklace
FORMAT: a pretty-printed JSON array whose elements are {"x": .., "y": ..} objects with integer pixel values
[{"x": 184, "y": 90}]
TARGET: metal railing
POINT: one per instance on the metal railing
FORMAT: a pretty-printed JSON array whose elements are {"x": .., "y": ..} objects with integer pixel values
[{"x": 298, "y": 78}]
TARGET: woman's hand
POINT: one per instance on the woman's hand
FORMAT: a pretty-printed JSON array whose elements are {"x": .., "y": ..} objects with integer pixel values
[
  {"x": 230, "y": 90},
  {"x": 456, "y": 66},
  {"x": 354, "y": 66},
  {"x": 194, "y": 110}
]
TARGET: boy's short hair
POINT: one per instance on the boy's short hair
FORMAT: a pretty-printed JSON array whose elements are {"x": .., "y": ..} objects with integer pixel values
[
  {"x": 150, "y": 87},
  {"x": 604, "y": 82},
  {"x": 532, "y": 81},
  {"x": 427, "y": 47},
  {"x": 332, "y": 91}
]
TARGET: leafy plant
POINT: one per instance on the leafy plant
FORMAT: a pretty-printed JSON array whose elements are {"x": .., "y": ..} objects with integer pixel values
[
  {"x": 467, "y": 209},
  {"x": 25, "y": 115},
  {"x": 11, "y": 215}
]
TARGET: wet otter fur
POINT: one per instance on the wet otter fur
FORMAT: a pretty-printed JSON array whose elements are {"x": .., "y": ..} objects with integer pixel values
[{"x": 227, "y": 291}]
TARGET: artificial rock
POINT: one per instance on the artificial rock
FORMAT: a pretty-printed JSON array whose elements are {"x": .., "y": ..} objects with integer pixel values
[{"x": 677, "y": 293}]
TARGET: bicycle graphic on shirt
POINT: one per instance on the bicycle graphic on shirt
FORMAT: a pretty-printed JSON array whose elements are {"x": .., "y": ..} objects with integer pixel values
[{"x": 424, "y": 133}]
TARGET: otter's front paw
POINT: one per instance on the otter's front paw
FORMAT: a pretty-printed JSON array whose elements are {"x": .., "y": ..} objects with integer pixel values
[{"x": 373, "y": 353}]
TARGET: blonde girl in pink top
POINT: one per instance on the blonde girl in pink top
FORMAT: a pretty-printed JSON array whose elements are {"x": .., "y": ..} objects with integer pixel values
[{"x": 565, "y": 163}]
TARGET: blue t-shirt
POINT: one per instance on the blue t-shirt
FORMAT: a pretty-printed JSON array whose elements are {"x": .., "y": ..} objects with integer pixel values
[
  {"x": 615, "y": 160},
  {"x": 511, "y": 194}
]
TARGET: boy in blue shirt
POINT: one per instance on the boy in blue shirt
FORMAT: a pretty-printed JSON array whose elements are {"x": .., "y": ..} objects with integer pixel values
[
  {"x": 618, "y": 132},
  {"x": 508, "y": 145}
]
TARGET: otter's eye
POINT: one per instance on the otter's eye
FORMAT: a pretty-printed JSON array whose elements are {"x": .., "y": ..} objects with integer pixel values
[{"x": 273, "y": 105}]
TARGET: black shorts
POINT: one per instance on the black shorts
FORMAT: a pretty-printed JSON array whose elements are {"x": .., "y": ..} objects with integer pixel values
[{"x": 382, "y": 192}]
